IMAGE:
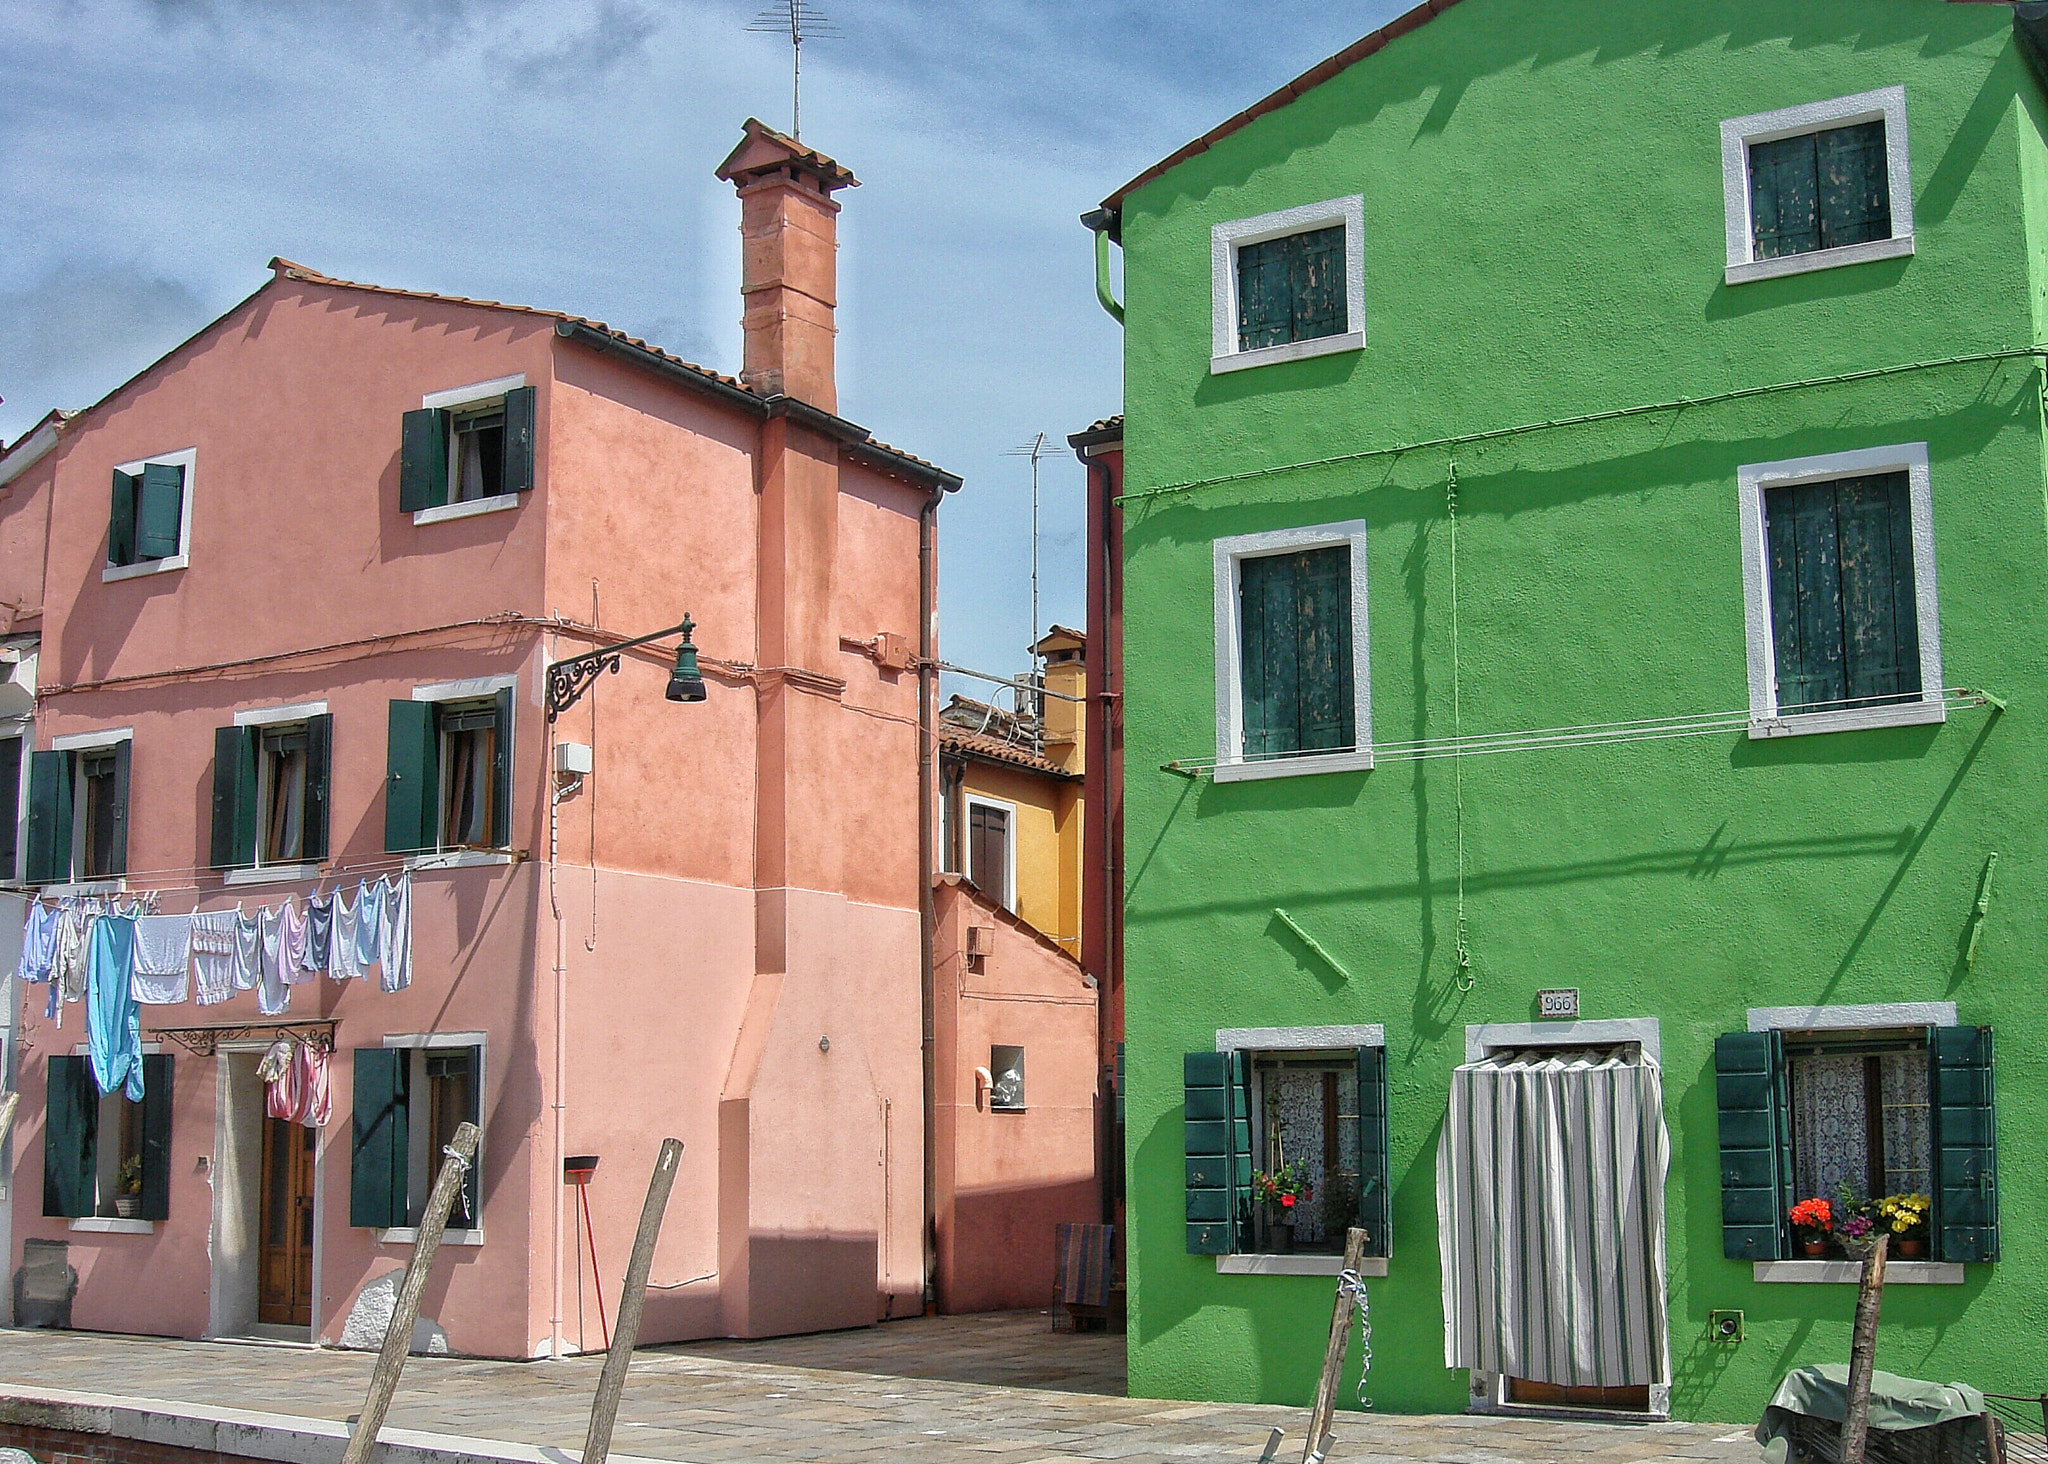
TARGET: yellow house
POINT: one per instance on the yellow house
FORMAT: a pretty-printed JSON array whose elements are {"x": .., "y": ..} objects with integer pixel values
[{"x": 1011, "y": 796}]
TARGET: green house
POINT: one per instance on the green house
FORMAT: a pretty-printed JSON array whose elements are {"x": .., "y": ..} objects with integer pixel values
[{"x": 1585, "y": 578}]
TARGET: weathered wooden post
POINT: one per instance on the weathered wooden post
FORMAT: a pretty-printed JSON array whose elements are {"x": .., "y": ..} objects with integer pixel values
[
  {"x": 604, "y": 1408},
  {"x": 1863, "y": 1354},
  {"x": 1333, "y": 1353},
  {"x": 406, "y": 1311},
  {"x": 7, "y": 1103}
]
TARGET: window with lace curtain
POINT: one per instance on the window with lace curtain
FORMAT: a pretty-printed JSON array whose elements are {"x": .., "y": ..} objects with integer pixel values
[{"x": 1860, "y": 1115}]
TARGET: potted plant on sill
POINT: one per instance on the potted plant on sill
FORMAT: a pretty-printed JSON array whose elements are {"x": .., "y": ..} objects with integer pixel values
[
  {"x": 1282, "y": 1191},
  {"x": 128, "y": 1188},
  {"x": 1855, "y": 1230},
  {"x": 1906, "y": 1217},
  {"x": 1813, "y": 1221}
]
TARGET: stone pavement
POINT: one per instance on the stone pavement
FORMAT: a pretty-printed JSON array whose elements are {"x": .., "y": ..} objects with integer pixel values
[{"x": 994, "y": 1390}]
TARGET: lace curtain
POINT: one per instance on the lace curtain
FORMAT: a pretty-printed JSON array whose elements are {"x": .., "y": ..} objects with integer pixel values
[{"x": 1831, "y": 1125}]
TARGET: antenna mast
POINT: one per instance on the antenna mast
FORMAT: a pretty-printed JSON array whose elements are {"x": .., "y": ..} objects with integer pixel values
[
  {"x": 1034, "y": 449},
  {"x": 800, "y": 21}
]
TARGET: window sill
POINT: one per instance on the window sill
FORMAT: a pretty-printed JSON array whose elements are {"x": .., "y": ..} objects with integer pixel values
[
  {"x": 443, "y": 512},
  {"x": 1356, "y": 761},
  {"x": 269, "y": 873},
  {"x": 1792, "y": 264},
  {"x": 1296, "y": 1266},
  {"x": 460, "y": 858},
  {"x": 87, "y": 887},
  {"x": 1854, "y": 719},
  {"x": 114, "y": 572},
  {"x": 114, "y": 1225},
  {"x": 1850, "y": 1273},
  {"x": 1351, "y": 340},
  {"x": 410, "y": 1235}
]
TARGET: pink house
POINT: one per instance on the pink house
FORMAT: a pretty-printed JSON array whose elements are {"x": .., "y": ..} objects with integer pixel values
[{"x": 299, "y": 588}]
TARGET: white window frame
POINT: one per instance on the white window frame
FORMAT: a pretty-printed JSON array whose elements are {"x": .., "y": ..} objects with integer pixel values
[
  {"x": 259, "y": 872},
  {"x": 83, "y": 742},
  {"x": 1765, "y": 720},
  {"x": 1228, "y": 554},
  {"x": 188, "y": 459},
  {"x": 419, "y": 1043},
  {"x": 1738, "y": 134},
  {"x": 1007, "y": 896},
  {"x": 454, "y": 399},
  {"x": 1227, "y": 238}
]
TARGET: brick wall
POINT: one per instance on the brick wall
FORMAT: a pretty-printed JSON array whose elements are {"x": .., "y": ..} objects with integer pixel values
[{"x": 68, "y": 1446}]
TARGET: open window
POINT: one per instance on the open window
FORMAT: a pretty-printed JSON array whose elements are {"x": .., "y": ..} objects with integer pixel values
[
  {"x": 448, "y": 775},
  {"x": 408, "y": 1102},
  {"x": 78, "y": 809},
  {"x": 105, "y": 1157},
  {"x": 272, "y": 773},
  {"x": 150, "y": 521},
  {"x": 992, "y": 848},
  {"x": 467, "y": 451}
]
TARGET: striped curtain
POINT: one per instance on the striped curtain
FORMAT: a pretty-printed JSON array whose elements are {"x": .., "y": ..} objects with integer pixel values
[{"x": 1550, "y": 1216}]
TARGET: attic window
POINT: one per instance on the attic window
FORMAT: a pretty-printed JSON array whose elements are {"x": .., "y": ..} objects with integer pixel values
[
  {"x": 1287, "y": 285},
  {"x": 467, "y": 451},
  {"x": 1815, "y": 186}
]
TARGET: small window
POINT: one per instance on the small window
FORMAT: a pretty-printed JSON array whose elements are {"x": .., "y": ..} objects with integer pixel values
[
  {"x": 448, "y": 778},
  {"x": 1860, "y": 1118},
  {"x": 1006, "y": 1069},
  {"x": 469, "y": 758},
  {"x": 469, "y": 449},
  {"x": 989, "y": 852},
  {"x": 150, "y": 515},
  {"x": 1815, "y": 186},
  {"x": 448, "y": 1096},
  {"x": 1305, "y": 1107},
  {"x": 1287, "y": 285},
  {"x": 100, "y": 843},
  {"x": 476, "y": 453},
  {"x": 78, "y": 811}
]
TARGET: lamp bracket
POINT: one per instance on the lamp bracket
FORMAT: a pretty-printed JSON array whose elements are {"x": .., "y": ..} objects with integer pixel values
[{"x": 569, "y": 680}]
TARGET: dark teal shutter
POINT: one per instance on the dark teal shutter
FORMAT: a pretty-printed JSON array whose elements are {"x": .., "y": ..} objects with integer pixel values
[
  {"x": 156, "y": 1136},
  {"x": 1323, "y": 648},
  {"x": 159, "y": 512},
  {"x": 412, "y": 779},
  {"x": 117, "y": 855},
  {"x": 121, "y": 520},
  {"x": 1756, "y": 1151},
  {"x": 501, "y": 773},
  {"x": 379, "y": 1144},
  {"x": 234, "y": 796},
  {"x": 1216, "y": 1122},
  {"x": 1963, "y": 1101},
  {"x": 1806, "y": 595},
  {"x": 1295, "y": 676},
  {"x": 423, "y": 460},
  {"x": 319, "y": 784},
  {"x": 49, "y": 817},
  {"x": 519, "y": 412},
  {"x": 1316, "y": 284},
  {"x": 1853, "y": 181},
  {"x": 1264, "y": 311},
  {"x": 1784, "y": 203},
  {"x": 71, "y": 1121},
  {"x": 1880, "y": 620},
  {"x": 1375, "y": 1169}
]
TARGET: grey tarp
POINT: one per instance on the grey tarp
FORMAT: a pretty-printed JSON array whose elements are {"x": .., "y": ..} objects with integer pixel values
[{"x": 1896, "y": 1404}]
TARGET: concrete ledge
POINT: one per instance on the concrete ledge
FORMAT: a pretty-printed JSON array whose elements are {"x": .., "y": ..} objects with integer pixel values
[
  {"x": 1850, "y": 1273},
  {"x": 1248, "y": 1265},
  {"x": 269, "y": 1436}
]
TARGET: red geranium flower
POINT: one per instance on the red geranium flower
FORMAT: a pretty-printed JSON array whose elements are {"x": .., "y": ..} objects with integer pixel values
[{"x": 1287, "y": 1201}]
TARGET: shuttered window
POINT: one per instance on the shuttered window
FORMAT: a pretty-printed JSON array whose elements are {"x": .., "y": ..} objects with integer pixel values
[
  {"x": 448, "y": 775},
  {"x": 988, "y": 850},
  {"x": 1291, "y": 289},
  {"x": 1295, "y": 652},
  {"x": 11, "y": 749},
  {"x": 97, "y": 1148},
  {"x": 454, "y": 1096},
  {"x": 380, "y": 1148},
  {"x": 1820, "y": 190},
  {"x": 146, "y": 521},
  {"x": 78, "y": 814},
  {"x": 1843, "y": 607},
  {"x": 464, "y": 454},
  {"x": 271, "y": 792}
]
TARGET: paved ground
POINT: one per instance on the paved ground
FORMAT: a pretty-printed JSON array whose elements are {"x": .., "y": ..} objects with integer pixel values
[{"x": 995, "y": 1390}]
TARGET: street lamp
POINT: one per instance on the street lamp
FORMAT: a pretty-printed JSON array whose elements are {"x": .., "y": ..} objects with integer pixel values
[{"x": 569, "y": 680}]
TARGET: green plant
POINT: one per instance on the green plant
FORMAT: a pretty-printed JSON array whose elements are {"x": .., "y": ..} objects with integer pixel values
[
  {"x": 1285, "y": 1187},
  {"x": 1904, "y": 1215},
  {"x": 128, "y": 1179}
]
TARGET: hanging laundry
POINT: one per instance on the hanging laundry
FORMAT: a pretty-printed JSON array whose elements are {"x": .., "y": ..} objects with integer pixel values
[
  {"x": 276, "y": 1063},
  {"x": 213, "y": 955},
  {"x": 38, "y": 943},
  {"x": 369, "y": 923},
  {"x": 272, "y": 995},
  {"x": 298, "y": 939},
  {"x": 114, "y": 1022},
  {"x": 319, "y": 933},
  {"x": 248, "y": 950},
  {"x": 163, "y": 952},
  {"x": 69, "y": 966},
  {"x": 342, "y": 964},
  {"x": 397, "y": 933},
  {"x": 315, "y": 1085}
]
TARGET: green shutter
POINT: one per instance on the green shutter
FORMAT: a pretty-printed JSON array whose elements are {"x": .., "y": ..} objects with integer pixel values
[
  {"x": 1315, "y": 267},
  {"x": 117, "y": 857},
  {"x": 412, "y": 779},
  {"x": 501, "y": 773},
  {"x": 159, "y": 511},
  {"x": 49, "y": 817},
  {"x": 379, "y": 1144},
  {"x": 156, "y": 1136},
  {"x": 1322, "y": 635},
  {"x": 423, "y": 460},
  {"x": 1375, "y": 1170},
  {"x": 1216, "y": 1122},
  {"x": 121, "y": 520},
  {"x": 519, "y": 412},
  {"x": 1805, "y": 572},
  {"x": 1962, "y": 1097},
  {"x": 1294, "y": 656},
  {"x": 1749, "y": 1074},
  {"x": 1880, "y": 623},
  {"x": 1784, "y": 204},
  {"x": 71, "y": 1121},
  {"x": 1853, "y": 181},
  {"x": 1263, "y": 309},
  {"x": 234, "y": 796},
  {"x": 319, "y": 783}
]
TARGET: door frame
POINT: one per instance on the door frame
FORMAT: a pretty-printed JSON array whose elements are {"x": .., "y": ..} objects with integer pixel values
[{"x": 218, "y": 1324}]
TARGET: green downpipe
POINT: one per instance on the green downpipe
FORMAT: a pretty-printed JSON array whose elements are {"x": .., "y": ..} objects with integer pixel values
[{"x": 1102, "y": 290}]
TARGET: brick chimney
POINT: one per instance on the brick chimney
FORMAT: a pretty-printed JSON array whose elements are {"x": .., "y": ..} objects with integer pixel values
[{"x": 789, "y": 228}]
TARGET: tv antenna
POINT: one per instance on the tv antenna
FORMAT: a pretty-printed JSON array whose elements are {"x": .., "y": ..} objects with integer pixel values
[
  {"x": 1034, "y": 448},
  {"x": 801, "y": 22}
]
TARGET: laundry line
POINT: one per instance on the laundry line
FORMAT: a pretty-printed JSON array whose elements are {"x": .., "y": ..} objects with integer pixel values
[
  {"x": 207, "y": 883},
  {"x": 1589, "y": 734}
]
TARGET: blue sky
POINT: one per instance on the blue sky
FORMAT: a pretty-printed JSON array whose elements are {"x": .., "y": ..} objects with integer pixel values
[{"x": 155, "y": 153}]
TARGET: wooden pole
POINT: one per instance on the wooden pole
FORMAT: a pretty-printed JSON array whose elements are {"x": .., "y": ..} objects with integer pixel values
[
  {"x": 1333, "y": 1352},
  {"x": 604, "y": 1408},
  {"x": 406, "y": 1311},
  {"x": 7, "y": 1102},
  {"x": 1863, "y": 1354}
]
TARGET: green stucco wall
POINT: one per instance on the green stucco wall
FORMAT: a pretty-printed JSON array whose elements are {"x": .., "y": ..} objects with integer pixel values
[{"x": 1544, "y": 237}]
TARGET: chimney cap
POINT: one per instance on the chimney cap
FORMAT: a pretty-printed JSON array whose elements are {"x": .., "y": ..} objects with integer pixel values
[{"x": 763, "y": 152}]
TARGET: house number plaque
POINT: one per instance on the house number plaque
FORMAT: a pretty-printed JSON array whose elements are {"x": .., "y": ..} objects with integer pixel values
[{"x": 1563, "y": 1003}]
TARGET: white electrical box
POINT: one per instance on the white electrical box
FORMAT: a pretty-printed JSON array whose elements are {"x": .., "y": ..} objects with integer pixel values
[{"x": 572, "y": 757}]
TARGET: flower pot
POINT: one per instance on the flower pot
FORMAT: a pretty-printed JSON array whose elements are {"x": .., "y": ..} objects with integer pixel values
[
  {"x": 1814, "y": 1248},
  {"x": 1858, "y": 1250},
  {"x": 127, "y": 1206},
  {"x": 1280, "y": 1236},
  {"x": 1911, "y": 1247}
]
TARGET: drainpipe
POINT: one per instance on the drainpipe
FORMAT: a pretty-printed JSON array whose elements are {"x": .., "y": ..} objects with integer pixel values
[
  {"x": 1106, "y": 226},
  {"x": 927, "y": 736}
]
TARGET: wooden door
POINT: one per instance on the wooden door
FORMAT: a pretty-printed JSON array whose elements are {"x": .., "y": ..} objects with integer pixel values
[{"x": 285, "y": 1251}]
